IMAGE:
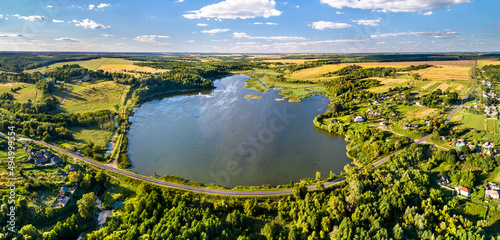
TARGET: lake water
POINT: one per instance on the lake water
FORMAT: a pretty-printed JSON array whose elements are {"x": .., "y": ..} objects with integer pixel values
[{"x": 222, "y": 137}]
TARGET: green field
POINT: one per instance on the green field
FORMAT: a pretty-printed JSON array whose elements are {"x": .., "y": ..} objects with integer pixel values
[
  {"x": 256, "y": 85},
  {"x": 92, "y": 64},
  {"x": 473, "y": 121},
  {"x": 492, "y": 125},
  {"x": 28, "y": 91},
  {"x": 89, "y": 97}
]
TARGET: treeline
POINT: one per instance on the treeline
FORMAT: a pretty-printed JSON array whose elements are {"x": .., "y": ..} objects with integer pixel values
[
  {"x": 17, "y": 62},
  {"x": 492, "y": 72},
  {"x": 68, "y": 72},
  {"x": 437, "y": 97},
  {"x": 48, "y": 127},
  {"x": 395, "y": 201},
  {"x": 289, "y": 68}
]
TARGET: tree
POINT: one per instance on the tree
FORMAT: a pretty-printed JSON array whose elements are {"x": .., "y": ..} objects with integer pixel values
[
  {"x": 30, "y": 232},
  {"x": 87, "y": 205},
  {"x": 319, "y": 176},
  {"x": 87, "y": 180},
  {"x": 250, "y": 207},
  {"x": 100, "y": 177}
]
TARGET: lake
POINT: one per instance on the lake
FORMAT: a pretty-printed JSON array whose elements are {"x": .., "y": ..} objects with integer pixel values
[{"x": 221, "y": 137}]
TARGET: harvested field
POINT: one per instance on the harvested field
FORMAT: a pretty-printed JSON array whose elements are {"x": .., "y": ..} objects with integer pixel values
[
  {"x": 428, "y": 85},
  {"x": 468, "y": 63}
]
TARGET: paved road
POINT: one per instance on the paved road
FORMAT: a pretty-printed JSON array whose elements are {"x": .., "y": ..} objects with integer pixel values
[
  {"x": 226, "y": 192},
  {"x": 466, "y": 96}
]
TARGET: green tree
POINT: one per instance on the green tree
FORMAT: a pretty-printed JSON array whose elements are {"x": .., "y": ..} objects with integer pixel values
[
  {"x": 29, "y": 232},
  {"x": 87, "y": 205}
]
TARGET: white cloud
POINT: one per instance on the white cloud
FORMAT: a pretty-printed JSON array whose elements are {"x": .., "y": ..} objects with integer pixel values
[
  {"x": 267, "y": 23},
  {"x": 30, "y": 18},
  {"x": 10, "y": 35},
  {"x": 281, "y": 38},
  {"x": 321, "y": 25},
  {"x": 50, "y": 6},
  {"x": 57, "y": 21},
  {"x": 66, "y": 39},
  {"x": 179, "y": 1},
  {"x": 372, "y": 23},
  {"x": 1, "y": 15},
  {"x": 214, "y": 31},
  {"x": 427, "y": 13},
  {"x": 322, "y": 42},
  {"x": 297, "y": 6},
  {"x": 338, "y": 12},
  {"x": 91, "y": 6},
  {"x": 495, "y": 24},
  {"x": 436, "y": 34},
  {"x": 190, "y": 41},
  {"x": 201, "y": 24},
  {"x": 87, "y": 23},
  {"x": 107, "y": 35},
  {"x": 150, "y": 38},
  {"x": 103, "y": 5},
  {"x": 233, "y": 9},
  {"x": 379, "y": 43},
  {"x": 394, "y": 5}
]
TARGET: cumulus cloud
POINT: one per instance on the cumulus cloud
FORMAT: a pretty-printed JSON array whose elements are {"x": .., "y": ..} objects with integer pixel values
[
  {"x": 427, "y": 13},
  {"x": 30, "y": 18},
  {"x": 321, "y": 25},
  {"x": 201, "y": 24},
  {"x": 87, "y": 23},
  {"x": 103, "y": 5},
  {"x": 233, "y": 9},
  {"x": 149, "y": 38},
  {"x": 214, "y": 31},
  {"x": 394, "y": 5},
  {"x": 50, "y": 6},
  {"x": 66, "y": 39},
  {"x": 372, "y": 23},
  {"x": 282, "y": 38},
  {"x": 57, "y": 21},
  {"x": 267, "y": 23},
  {"x": 436, "y": 34},
  {"x": 91, "y": 6},
  {"x": 179, "y": 1}
]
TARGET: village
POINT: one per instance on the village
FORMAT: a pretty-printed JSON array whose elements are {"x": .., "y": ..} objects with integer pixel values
[{"x": 41, "y": 157}]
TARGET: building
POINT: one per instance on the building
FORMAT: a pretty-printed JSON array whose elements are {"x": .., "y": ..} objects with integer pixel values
[
  {"x": 63, "y": 190},
  {"x": 56, "y": 160},
  {"x": 359, "y": 119},
  {"x": 463, "y": 191},
  {"x": 41, "y": 160},
  {"x": 492, "y": 194}
]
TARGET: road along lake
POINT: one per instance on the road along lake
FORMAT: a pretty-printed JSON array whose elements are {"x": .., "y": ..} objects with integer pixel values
[{"x": 222, "y": 137}]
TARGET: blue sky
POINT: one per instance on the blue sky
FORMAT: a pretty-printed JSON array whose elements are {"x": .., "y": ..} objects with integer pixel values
[{"x": 251, "y": 26}]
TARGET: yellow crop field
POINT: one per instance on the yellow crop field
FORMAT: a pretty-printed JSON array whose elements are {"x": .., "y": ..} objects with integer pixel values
[
  {"x": 314, "y": 73},
  {"x": 445, "y": 72}
]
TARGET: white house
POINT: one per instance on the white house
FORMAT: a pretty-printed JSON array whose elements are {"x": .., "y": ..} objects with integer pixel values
[
  {"x": 492, "y": 194},
  {"x": 463, "y": 191},
  {"x": 359, "y": 119}
]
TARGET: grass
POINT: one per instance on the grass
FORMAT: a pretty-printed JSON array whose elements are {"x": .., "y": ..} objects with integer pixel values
[
  {"x": 314, "y": 74},
  {"x": 94, "y": 97},
  {"x": 416, "y": 113},
  {"x": 445, "y": 72},
  {"x": 256, "y": 84},
  {"x": 473, "y": 121},
  {"x": 83, "y": 135},
  {"x": 252, "y": 96},
  {"x": 492, "y": 125},
  {"x": 106, "y": 64},
  {"x": 28, "y": 91}
]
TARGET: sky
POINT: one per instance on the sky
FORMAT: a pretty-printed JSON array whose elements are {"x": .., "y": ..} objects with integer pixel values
[{"x": 250, "y": 26}]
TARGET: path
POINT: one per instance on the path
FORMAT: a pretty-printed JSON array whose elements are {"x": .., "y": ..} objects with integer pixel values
[{"x": 62, "y": 101}]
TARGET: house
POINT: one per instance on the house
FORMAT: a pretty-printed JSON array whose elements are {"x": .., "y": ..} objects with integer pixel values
[
  {"x": 492, "y": 194},
  {"x": 463, "y": 191},
  {"x": 460, "y": 143},
  {"x": 48, "y": 154},
  {"x": 359, "y": 119},
  {"x": 376, "y": 102},
  {"x": 410, "y": 126},
  {"x": 443, "y": 179},
  {"x": 56, "y": 160},
  {"x": 71, "y": 168},
  {"x": 64, "y": 189},
  {"x": 41, "y": 160}
]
